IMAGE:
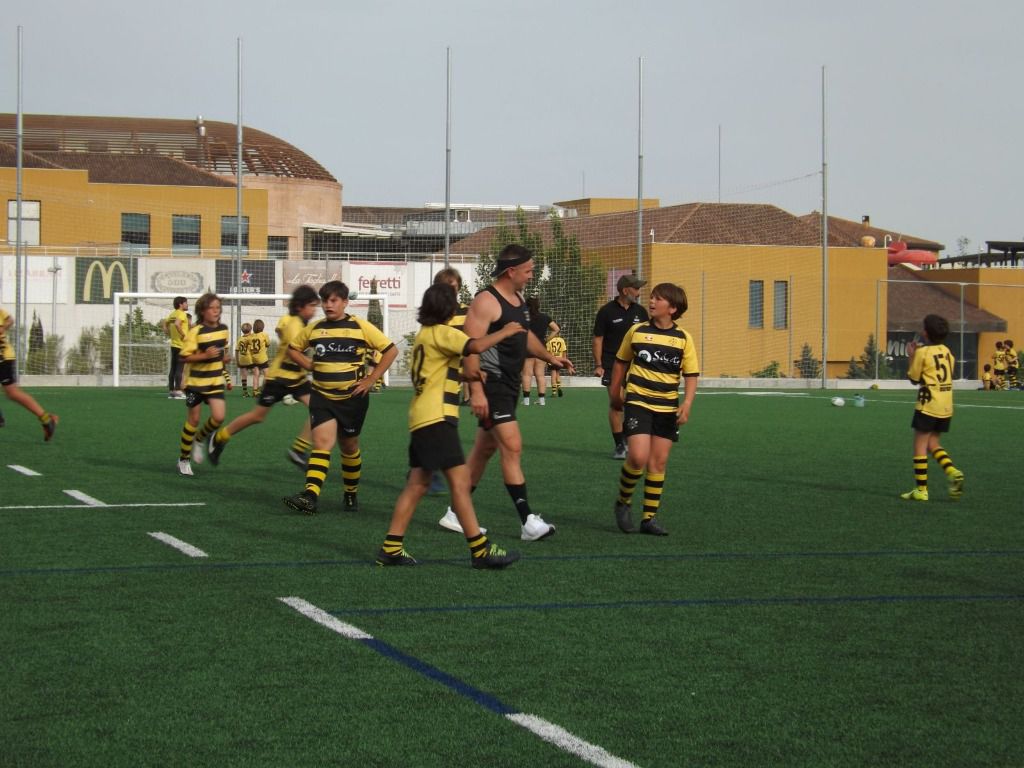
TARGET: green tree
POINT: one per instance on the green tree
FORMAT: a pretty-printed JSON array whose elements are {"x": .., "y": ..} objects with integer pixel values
[
  {"x": 864, "y": 366},
  {"x": 808, "y": 366},
  {"x": 771, "y": 371}
]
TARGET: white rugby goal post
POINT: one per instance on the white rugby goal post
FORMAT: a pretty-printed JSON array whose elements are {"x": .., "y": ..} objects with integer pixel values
[{"x": 157, "y": 306}]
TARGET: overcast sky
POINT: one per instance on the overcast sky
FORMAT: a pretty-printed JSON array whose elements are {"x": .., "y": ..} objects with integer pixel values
[{"x": 924, "y": 106}]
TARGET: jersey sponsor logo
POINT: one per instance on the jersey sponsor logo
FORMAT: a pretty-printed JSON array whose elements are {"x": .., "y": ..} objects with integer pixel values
[
  {"x": 333, "y": 347},
  {"x": 658, "y": 357}
]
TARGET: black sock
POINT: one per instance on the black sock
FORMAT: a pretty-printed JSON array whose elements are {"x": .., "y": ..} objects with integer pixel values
[
  {"x": 518, "y": 494},
  {"x": 617, "y": 437}
]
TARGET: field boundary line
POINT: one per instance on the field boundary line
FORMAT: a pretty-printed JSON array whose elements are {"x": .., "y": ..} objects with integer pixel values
[
  {"x": 24, "y": 470},
  {"x": 549, "y": 732},
  {"x": 178, "y": 544},
  {"x": 107, "y": 506},
  {"x": 85, "y": 498}
]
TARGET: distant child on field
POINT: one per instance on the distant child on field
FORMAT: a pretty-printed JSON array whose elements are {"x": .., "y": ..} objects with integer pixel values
[
  {"x": 242, "y": 357},
  {"x": 259, "y": 350},
  {"x": 9, "y": 380},
  {"x": 1011, "y": 364},
  {"x": 987, "y": 381},
  {"x": 556, "y": 346},
  {"x": 999, "y": 365},
  {"x": 207, "y": 353},
  {"x": 653, "y": 357},
  {"x": 931, "y": 368}
]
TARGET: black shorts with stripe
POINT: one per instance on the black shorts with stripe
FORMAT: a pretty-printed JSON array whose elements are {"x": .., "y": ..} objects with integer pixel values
[
  {"x": 275, "y": 390},
  {"x": 637, "y": 420},
  {"x": 436, "y": 446},
  {"x": 8, "y": 373},
  {"x": 350, "y": 413}
]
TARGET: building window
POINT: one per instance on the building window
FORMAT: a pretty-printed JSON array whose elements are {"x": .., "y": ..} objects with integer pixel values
[
  {"x": 135, "y": 232},
  {"x": 185, "y": 231},
  {"x": 755, "y": 304},
  {"x": 30, "y": 218},
  {"x": 780, "y": 306},
  {"x": 229, "y": 235},
  {"x": 277, "y": 247}
]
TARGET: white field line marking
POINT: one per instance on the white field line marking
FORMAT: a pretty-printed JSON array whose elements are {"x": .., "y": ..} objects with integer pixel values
[
  {"x": 107, "y": 506},
  {"x": 178, "y": 544},
  {"x": 561, "y": 738},
  {"x": 85, "y": 498},
  {"x": 549, "y": 732},
  {"x": 24, "y": 470}
]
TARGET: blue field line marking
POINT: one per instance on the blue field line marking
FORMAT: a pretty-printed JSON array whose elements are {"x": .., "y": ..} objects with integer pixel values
[
  {"x": 423, "y": 668},
  {"x": 368, "y": 562},
  {"x": 696, "y": 602}
]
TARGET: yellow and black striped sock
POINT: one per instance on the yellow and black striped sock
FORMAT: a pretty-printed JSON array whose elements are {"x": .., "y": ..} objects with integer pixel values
[
  {"x": 921, "y": 472},
  {"x": 44, "y": 418},
  {"x": 653, "y": 485},
  {"x": 222, "y": 436},
  {"x": 945, "y": 463},
  {"x": 188, "y": 436},
  {"x": 316, "y": 471},
  {"x": 351, "y": 470},
  {"x": 392, "y": 544},
  {"x": 478, "y": 545},
  {"x": 628, "y": 478},
  {"x": 301, "y": 446},
  {"x": 208, "y": 428}
]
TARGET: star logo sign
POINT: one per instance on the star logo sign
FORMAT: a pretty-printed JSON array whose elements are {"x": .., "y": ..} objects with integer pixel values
[{"x": 246, "y": 277}]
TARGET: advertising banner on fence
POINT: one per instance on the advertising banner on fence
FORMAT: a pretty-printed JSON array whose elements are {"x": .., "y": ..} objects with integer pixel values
[
  {"x": 177, "y": 276},
  {"x": 390, "y": 278},
  {"x": 314, "y": 273},
  {"x": 258, "y": 276},
  {"x": 97, "y": 279},
  {"x": 47, "y": 280}
]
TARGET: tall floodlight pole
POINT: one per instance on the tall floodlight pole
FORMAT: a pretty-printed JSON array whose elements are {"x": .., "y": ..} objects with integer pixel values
[
  {"x": 640, "y": 171},
  {"x": 824, "y": 233},
  {"x": 448, "y": 158},
  {"x": 20, "y": 269},
  {"x": 237, "y": 267},
  {"x": 719, "y": 162}
]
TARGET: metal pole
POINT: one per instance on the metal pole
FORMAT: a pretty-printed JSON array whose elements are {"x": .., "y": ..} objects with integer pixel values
[
  {"x": 640, "y": 172},
  {"x": 448, "y": 158},
  {"x": 19, "y": 254},
  {"x": 962, "y": 286},
  {"x": 789, "y": 323},
  {"x": 719, "y": 162},
  {"x": 824, "y": 235},
  {"x": 703, "y": 327},
  {"x": 237, "y": 319},
  {"x": 878, "y": 312}
]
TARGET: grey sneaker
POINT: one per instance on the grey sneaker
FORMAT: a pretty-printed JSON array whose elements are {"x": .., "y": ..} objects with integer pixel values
[
  {"x": 214, "y": 449},
  {"x": 652, "y": 527},
  {"x": 624, "y": 517},
  {"x": 620, "y": 451}
]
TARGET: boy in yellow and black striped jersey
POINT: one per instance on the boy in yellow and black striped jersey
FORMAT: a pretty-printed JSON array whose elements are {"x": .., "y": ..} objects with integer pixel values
[
  {"x": 9, "y": 381},
  {"x": 1012, "y": 364},
  {"x": 931, "y": 368},
  {"x": 438, "y": 352},
  {"x": 284, "y": 378},
  {"x": 999, "y": 365},
  {"x": 653, "y": 357},
  {"x": 242, "y": 357},
  {"x": 259, "y": 350},
  {"x": 207, "y": 351},
  {"x": 451, "y": 277},
  {"x": 556, "y": 346},
  {"x": 339, "y": 402}
]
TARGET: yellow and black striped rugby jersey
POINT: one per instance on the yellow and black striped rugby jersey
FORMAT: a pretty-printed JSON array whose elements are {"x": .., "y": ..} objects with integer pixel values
[
  {"x": 242, "y": 346},
  {"x": 259, "y": 348},
  {"x": 459, "y": 318},
  {"x": 206, "y": 376},
  {"x": 436, "y": 360},
  {"x": 339, "y": 352},
  {"x": 556, "y": 346},
  {"x": 6, "y": 348},
  {"x": 282, "y": 369},
  {"x": 658, "y": 358},
  {"x": 171, "y": 323},
  {"x": 999, "y": 359},
  {"x": 932, "y": 370}
]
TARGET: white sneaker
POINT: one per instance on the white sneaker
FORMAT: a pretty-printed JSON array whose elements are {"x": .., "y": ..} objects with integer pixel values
[
  {"x": 541, "y": 402},
  {"x": 526, "y": 401},
  {"x": 184, "y": 468},
  {"x": 535, "y": 529},
  {"x": 451, "y": 523},
  {"x": 197, "y": 451}
]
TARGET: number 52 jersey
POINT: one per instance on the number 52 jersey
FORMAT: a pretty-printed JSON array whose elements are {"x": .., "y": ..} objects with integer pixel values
[{"x": 932, "y": 370}]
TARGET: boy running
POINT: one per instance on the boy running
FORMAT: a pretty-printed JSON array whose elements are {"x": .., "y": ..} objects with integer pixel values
[{"x": 9, "y": 380}]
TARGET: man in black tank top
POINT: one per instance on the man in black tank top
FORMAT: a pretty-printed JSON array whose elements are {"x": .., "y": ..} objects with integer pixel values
[{"x": 494, "y": 401}]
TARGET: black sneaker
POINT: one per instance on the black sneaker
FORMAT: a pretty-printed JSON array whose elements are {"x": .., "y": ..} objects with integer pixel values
[
  {"x": 624, "y": 517},
  {"x": 49, "y": 428},
  {"x": 652, "y": 527},
  {"x": 402, "y": 558},
  {"x": 304, "y": 502},
  {"x": 350, "y": 502},
  {"x": 214, "y": 449},
  {"x": 620, "y": 452},
  {"x": 495, "y": 559}
]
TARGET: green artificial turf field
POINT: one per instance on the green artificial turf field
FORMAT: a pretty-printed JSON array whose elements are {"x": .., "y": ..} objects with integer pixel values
[{"x": 800, "y": 613}]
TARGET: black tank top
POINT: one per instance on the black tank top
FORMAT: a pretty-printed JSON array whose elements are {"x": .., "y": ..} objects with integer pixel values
[{"x": 504, "y": 361}]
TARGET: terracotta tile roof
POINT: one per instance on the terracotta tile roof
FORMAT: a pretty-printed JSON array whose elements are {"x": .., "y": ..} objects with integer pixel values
[
  {"x": 263, "y": 154},
  {"x": 9, "y": 158},
  {"x": 855, "y": 230},
  {"x": 702, "y": 223},
  {"x": 909, "y": 301}
]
